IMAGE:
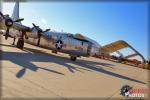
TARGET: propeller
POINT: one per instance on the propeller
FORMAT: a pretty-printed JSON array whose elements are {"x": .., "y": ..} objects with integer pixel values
[
  {"x": 9, "y": 23},
  {"x": 39, "y": 31}
]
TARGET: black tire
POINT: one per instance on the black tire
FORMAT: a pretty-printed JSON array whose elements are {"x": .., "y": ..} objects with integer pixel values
[
  {"x": 54, "y": 51},
  {"x": 73, "y": 58},
  {"x": 20, "y": 44}
]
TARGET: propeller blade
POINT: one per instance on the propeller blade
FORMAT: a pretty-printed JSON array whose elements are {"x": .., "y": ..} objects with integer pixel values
[
  {"x": 7, "y": 34},
  {"x": 34, "y": 25},
  {"x": 39, "y": 30},
  {"x": 19, "y": 20},
  {"x": 2, "y": 15},
  {"x": 47, "y": 30}
]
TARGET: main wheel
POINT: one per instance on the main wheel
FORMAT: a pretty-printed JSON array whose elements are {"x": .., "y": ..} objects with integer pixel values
[
  {"x": 54, "y": 51},
  {"x": 20, "y": 44},
  {"x": 73, "y": 58}
]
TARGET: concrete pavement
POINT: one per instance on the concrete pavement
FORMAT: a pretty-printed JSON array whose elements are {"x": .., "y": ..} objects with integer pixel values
[{"x": 37, "y": 73}]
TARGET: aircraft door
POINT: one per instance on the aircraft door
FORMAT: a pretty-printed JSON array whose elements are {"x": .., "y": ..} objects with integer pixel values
[{"x": 89, "y": 48}]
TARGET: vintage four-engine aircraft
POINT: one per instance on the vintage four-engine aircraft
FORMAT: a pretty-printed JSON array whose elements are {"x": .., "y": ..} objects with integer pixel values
[{"x": 75, "y": 45}]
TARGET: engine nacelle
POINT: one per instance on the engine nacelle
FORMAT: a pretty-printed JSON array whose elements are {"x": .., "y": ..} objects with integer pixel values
[{"x": 32, "y": 34}]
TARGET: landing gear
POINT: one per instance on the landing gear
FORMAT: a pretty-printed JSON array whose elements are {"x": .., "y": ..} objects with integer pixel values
[
  {"x": 20, "y": 43},
  {"x": 54, "y": 51},
  {"x": 14, "y": 41},
  {"x": 73, "y": 58}
]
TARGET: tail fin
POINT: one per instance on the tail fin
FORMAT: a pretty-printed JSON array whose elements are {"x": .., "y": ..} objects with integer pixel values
[{"x": 15, "y": 14}]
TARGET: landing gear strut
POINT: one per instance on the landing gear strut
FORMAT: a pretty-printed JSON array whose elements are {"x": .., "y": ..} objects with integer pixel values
[
  {"x": 20, "y": 43},
  {"x": 14, "y": 41}
]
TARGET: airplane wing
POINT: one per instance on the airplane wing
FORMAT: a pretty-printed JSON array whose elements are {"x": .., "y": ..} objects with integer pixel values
[
  {"x": 21, "y": 27},
  {"x": 79, "y": 36},
  {"x": 113, "y": 47}
]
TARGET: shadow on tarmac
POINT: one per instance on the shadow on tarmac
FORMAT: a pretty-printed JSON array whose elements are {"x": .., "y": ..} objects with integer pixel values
[{"x": 25, "y": 60}]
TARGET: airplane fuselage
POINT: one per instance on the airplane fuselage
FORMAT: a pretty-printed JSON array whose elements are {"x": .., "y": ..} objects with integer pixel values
[
  {"x": 66, "y": 43},
  {"x": 59, "y": 42}
]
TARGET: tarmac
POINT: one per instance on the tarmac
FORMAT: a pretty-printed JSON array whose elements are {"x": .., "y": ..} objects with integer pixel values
[{"x": 35, "y": 72}]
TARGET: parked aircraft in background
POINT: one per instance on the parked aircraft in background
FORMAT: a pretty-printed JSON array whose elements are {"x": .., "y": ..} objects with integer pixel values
[{"x": 75, "y": 45}]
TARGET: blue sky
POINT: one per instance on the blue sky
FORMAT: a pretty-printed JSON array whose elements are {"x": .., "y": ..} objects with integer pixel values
[{"x": 104, "y": 22}]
